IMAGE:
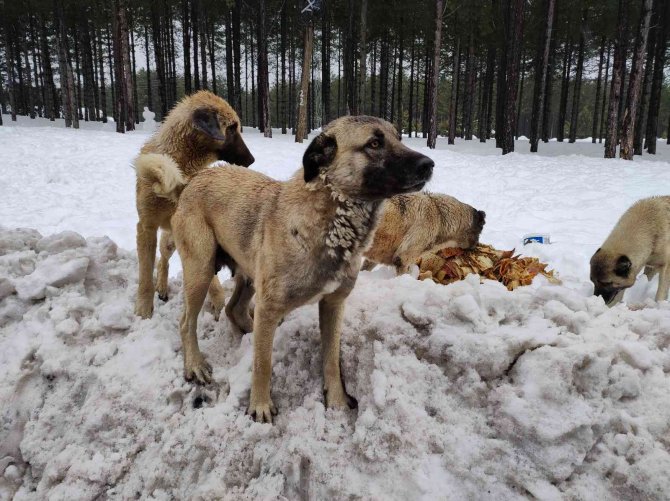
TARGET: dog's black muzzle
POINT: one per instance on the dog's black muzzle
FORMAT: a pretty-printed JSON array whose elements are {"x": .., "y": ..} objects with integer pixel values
[
  {"x": 401, "y": 173},
  {"x": 607, "y": 293}
]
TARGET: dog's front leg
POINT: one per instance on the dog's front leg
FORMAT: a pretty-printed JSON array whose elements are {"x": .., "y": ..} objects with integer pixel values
[
  {"x": 146, "y": 255},
  {"x": 331, "y": 312},
  {"x": 663, "y": 283},
  {"x": 266, "y": 319}
]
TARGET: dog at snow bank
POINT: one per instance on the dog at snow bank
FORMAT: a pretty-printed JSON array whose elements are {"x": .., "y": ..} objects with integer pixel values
[
  {"x": 416, "y": 223},
  {"x": 202, "y": 128},
  {"x": 641, "y": 239},
  {"x": 291, "y": 242}
]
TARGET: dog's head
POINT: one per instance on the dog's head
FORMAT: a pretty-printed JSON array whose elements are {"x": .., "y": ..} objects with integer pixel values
[
  {"x": 362, "y": 157},
  {"x": 611, "y": 272},
  {"x": 216, "y": 127},
  {"x": 460, "y": 223}
]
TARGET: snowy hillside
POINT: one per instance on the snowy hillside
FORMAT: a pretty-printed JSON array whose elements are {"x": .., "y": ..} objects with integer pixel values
[{"x": 465, "y": 392}]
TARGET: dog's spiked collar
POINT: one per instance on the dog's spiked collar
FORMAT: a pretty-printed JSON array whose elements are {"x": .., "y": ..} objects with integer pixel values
[{"x": 351, "y": 229}]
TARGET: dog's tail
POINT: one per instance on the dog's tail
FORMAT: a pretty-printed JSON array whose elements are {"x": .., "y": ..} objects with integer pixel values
[{"x": 162, "y": 172}]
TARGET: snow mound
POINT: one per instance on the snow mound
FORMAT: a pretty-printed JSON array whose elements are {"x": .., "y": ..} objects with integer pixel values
[{"x": 465, "y": 391}]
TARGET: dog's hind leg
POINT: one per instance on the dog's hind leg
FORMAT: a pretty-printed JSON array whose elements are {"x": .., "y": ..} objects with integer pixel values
[
  {"x": 198, "y": 261},
  {"x": 146, "y": 254},
  {"x": 331, "y": 312},
  {"x": 237, "y": 309},
  {"x": 167, "y": 248}
]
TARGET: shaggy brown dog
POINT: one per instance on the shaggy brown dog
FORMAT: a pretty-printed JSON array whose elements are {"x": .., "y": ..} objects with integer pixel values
[
  {"x": 200, "y": 129},
  {"x": 421, "y": 222},
  {"x": 641, "y": 239},
  {"x": 292, "y": 242}
]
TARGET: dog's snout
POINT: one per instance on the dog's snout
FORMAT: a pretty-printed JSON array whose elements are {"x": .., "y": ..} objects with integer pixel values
[
  {"x": 479, "y": 219},
  {"x": 425, "y": 166}
]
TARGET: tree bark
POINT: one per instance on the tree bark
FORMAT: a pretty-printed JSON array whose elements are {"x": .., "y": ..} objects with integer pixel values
[
  {"x": 634, "y": 83},
  {"x": 158, "y": 57},
  {"x": 501, "y": 75},
  {"x": 263, "y": 78},
  {"x": 455, "y": 72},
  {"x": 301, "y": 128},
  {"x": 565, "y": 86},
  {"x": 127, "y": 67},
  {"x": 574, "y": 117},
  {"x": 67, "y": 78},
  {"x": 325, "y": 63},
  {"x": 194, "y": 32},
  {"x": 602, "y": 131},
  {"x": 410, "y": 107},
  {"x": 549, "y": 89},
  {"x": 617, "y": 76},
  {"x": 601, "y": 59},
  {"x": 513, "y": 56},
  {"x": 469, "y": 90},
  {"x": 657, "y": 81},
  {"x": 237, "y": 57},
  {"x": 401, "y": 51},
  {"x": 435, "y": 75},
  {"x": 641, "y": 118},
  {"x": 541, "y": 69},
  {"x": 362, "y": 74},
  {"x": 186, "y": 44}
]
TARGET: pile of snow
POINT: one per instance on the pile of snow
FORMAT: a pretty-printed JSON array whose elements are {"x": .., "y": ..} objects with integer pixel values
[{"x": 463, "y": 390}]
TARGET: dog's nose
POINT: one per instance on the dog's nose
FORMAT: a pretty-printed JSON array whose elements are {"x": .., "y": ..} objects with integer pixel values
[
  {"x": 479, "y": 219},
  {"x": 424, "y": 167}
]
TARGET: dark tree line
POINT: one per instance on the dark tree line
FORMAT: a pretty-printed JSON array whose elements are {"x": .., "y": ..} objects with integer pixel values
[{"x": 470, "y": 69}]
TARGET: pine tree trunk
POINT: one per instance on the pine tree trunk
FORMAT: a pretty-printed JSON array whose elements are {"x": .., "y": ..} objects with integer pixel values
[
  {"x": 601, "y": 59},
  {"x": 254, "y": 109},
  {"x": 455, "y": 72},
  {"x": 501, "y": 76},
  {"x": 263, "y": 78},
  {"x": 230, "y": 72},
  {"x": 237, "y": 58},
  {"x": 127, "y": 67},
  {"x": 186, "y": 44},
  {"x": 11, "y": 87},
  {"x": 373, "y": 79},
  {"x": 541, "y": 75},
  {"x": 51, "y": 97},
  {"x": 470, "y": 91},
  {"x": 283, "y": 119},
  {"x": 363, "y": 57},
  {"x": 158, "y": 58},
  {"x": 602, "y": 132},
  {"x": 325, "y": 64},
  {"x": 519, "y": 102},
  {"x": 574, "y": 117},
  {"x": 435, "y": 75},
  {"x": 78, "y": 75},
  {"x": 657, "y": 81},
  {"x": 120, "y": 103},
  {"x": 513, "y": 59},
  {"x": 641, "y": 118},
  {"x": 203, "y": 52},
  {"x": 410, "y": 106},
  {"x": 634, "y": 84},
  {"x": 67, "y": 78},
  {"x": 490, "y": 73},
  {"x": 110, "y": 64},
  {"x": 350, "y": 62},
  {"x": 392, "y": 93},
  {"x": 29, "y": 84},
  {"x": 565, "y": 86},
  {"x": 212, "y": 58},
  {"x": 617, "y": 76},
  {"x": 194, "y": 31},
  {"x": 150, "y": 104},
  {"x": 549, "y": 90},
  {"x": 401, "y": 51}
]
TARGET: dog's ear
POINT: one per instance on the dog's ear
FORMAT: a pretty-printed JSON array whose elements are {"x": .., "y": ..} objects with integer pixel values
[
  {"x": 623, "y": 266},
  {"x": 207, "y": 121},
  {"x": 319, "y": 153}
]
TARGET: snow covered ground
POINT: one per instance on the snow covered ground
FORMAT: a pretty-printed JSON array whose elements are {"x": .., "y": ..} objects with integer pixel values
[{"x": 465, "y": 392}]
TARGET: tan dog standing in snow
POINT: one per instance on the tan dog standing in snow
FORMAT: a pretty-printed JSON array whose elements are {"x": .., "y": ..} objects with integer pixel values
[
  {"x": 202, "y": 128},
  {"x": 290, "y": 242},
  {"x": 641, "y": 239},
  {"x": 416, "y": 223}
]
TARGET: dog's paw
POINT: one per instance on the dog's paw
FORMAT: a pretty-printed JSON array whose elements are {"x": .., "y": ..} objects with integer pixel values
[
  {"x": 198, "y": 369},
  {"x": 241, "y": 320},
  {"x": 262, "y": 412},
  {"x": 339, "y": 400},
  {"x": 144, "y": 308}
]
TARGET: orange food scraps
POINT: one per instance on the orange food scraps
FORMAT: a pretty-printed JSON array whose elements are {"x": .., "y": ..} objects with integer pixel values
[{"x": 451, "y": 264}]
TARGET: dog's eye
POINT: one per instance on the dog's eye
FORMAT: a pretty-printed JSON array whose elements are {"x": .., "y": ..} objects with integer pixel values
[{"x": 374, "y": 144}]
